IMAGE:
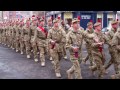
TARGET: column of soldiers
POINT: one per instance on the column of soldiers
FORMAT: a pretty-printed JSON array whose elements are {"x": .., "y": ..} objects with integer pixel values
[{"x": 29, "y": 36}]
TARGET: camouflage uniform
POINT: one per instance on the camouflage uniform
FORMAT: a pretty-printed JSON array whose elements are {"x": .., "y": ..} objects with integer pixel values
[
  {"x": 17, "y": 39},
  {"x": 13, "y": 37},
  {"x": 1, "y": 33},
  {"x": 34, "y": 43},
  {"x": 97, "y": 52},
  {"x": 75, "y": 38},
  {"x": 4, "y": 35},
  {"x": 109, "y": 36},
  {"x": 88, "y": 47},
  {"x": 27, "y": 37},
  {"x": 58, "y": 37},
  {"x": 11, "y": 31},
  {"x": 48, "y": 46},
  {"x": 21, "y": 40},
  {"x": 40, "y": 37},
  {"x": 116, "y": 50},
  {"x": 8, "y": 38}
]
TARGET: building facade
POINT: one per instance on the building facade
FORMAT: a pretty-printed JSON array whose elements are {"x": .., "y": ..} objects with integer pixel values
[{"x": 85, "y": 16}]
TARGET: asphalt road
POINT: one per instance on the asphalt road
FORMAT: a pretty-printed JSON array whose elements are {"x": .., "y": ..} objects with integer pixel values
[{"x": 16, "y": 66}]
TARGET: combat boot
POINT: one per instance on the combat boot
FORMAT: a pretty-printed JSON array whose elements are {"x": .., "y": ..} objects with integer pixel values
[
  {"x": 28, "y": 56},
  {"x": 38, "y": 53},
  {"x": 84, "y": 62},
  {"x": 69, "y": 75},
  {"x": 36, "y": 60},
  {"x": 42, "y": 64},
  {"x": 112, "y": 76},
  {"x": 51, "y": 58},
  {"x": 58, "y": 75},
  {"x": 21, "y": 52},
  {"x": 16, "y": 50},
  {"x": 65, "y": 57}
]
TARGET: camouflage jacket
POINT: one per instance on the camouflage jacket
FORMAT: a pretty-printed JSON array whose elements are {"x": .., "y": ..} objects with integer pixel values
[
  {"x": 73, "y": 38},
  {"x": 116, "y": 41},
  {"x": 87, "y": 40},
  {"x": 59, "y": 36},
  {"x": 95, "y": 47},
  {"x": 26, "y": 33}
]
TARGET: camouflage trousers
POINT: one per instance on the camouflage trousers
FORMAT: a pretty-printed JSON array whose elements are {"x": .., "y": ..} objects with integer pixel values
[
  {"x": 56, "y": 57},
  {"x": 113, "y": 60},
  {"x": 99, "y": 66},
  {"x": 8, "y": 40},
  {"x": 34, "y": 48},
  {"x": 4, "y": 40},
  {"x": 89, "y": 56},
  {"x": 17, "y": 43},
  {"x": 0, "y": 38},
  {"x": 42, "y": 49},
  {"x": 28, "y": 47},
  {"x": 22, "y": 45},
  {"x": 75, "y": 69},
  {"x": 64, "y": 51},
  {"x": 13, "y": 42}
]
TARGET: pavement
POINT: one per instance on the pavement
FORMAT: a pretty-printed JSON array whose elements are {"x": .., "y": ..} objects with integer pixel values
[{"x": 16, "y": 66}]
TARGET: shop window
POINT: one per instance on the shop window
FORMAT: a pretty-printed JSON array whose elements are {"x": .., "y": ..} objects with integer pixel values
[
  {"x": 69, "y": 21},
  {"x": 109, "y": 20}
]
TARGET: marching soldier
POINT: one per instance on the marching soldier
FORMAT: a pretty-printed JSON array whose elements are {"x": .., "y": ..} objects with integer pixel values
[
  {"x": 74, "y": 40},
  {"x": 41, "y": 37},
  {"x": 64, "y": 49},
  {"x": 97, "y": 50},
  {"x": 17, "y": 36},
  {"x": 56, "y": 38},
  {"x": 22, "y": 44},
  {"x": 110, "y": 35},
  {"x": 27, "y": 35},
  {"x": 89, "y": 30},
  {"x": 13, "y": 35},
  {"x": 0, "y": 32},
  {"x": 34, "y": 43},
  {"x": 49, "y": 26},
  {"x": 116, "y": 50}
]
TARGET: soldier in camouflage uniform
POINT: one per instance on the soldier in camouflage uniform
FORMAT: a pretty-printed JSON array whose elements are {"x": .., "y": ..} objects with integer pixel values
[
  {"x": 56, "y": 38},
  {"x": 116, "y": 50},
  {"x": 17, "y": 36},
  {"x": 64, "y": 49},
  {"x": 74, "y": 40},
  {"x": 8, "y": 34},
  {"x": 26, "y": 32},
  {"x": 34, "y": 43},
  {"x": 0, "y": 32},
  {"x": 97, "y": 50},
  {"x": 89, "y": 30},
  {"x": 110, "y": 35},
  {"x": 13, "y": 35},
  {"x": 4, "y": 34},
  {"x": 21, "y": 40},
  {"x": 41, "y": 37},
  {"x": 49, "y": 26}
]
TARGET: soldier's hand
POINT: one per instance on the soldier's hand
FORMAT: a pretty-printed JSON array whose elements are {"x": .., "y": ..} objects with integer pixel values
[
  {"x": 52, "y": 42},
  {"x": 75, "y": 49}
]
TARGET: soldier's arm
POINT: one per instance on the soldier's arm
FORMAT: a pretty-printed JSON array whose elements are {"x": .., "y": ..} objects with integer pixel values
[
  {"x": 108, "y": 38},
  {"x": 22, "y": 35},
  {"x": 49, "y": 36},
  {"x": 68, "y": 41},
  {"x": 63, "y": 37},
  {"x": 35, "y": 35},
  {"x": 86, "y": 35}
]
